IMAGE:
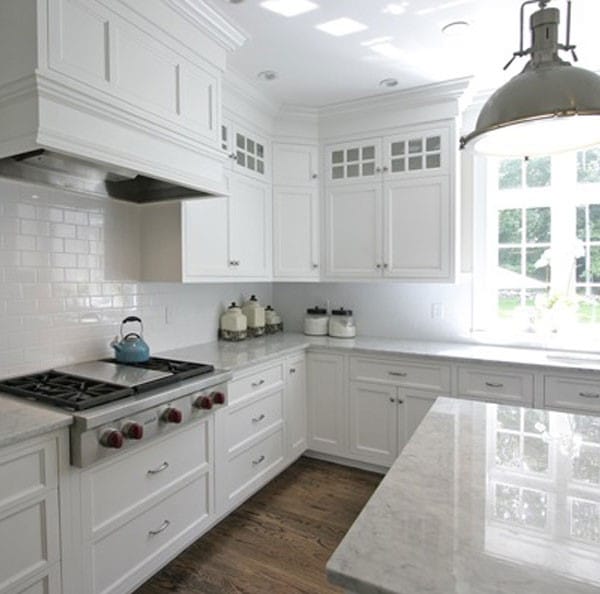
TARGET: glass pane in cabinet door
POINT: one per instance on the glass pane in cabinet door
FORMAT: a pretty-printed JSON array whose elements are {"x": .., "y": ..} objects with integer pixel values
[
  {"x": 250, "y": 146},
  {"x": 415, "y": 145},
  {"x": 250, "y": 162},
  {"x": 224, "y": 142},
  {"x": 398, "y": 165},
  {"x": 337, "y": 157},
  {"x": 368, "y": 153},
  {"x": 260, "y": 166},
  {"x": 352, "y": 171},
  {"x": 241, "y": 159},
  {"x": 260, "y": 150},
  {"x": 368, "y": 169},
  {"x": 352, "y": 155},
  {"x": 337, "y": 172},
  {"x": 398, "y": 148},
  {"x": 240, "y": 141},
  {"x": 433, "y": 161},
  {"x": 415, "y": 163},
  {"x": 433, "y": 143}
]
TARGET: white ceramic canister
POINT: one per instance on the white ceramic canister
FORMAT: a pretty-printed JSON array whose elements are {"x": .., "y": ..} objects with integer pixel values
[
  {"x": 273, "y": 323},
  {"x": 233, "y": 324},
  {"x": 315, "y": 321},
  {"x": 255, "y": 313}
]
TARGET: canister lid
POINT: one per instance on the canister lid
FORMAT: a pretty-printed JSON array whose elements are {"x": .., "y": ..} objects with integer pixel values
[
  {"x": 316, "y": 311},
  {"x": 341, "y": 312},
  {"x": 233, "y": 305}
]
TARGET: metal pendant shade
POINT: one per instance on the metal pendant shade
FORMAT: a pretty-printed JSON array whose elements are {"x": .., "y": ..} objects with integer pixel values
[{"x": 551, "y": 106}]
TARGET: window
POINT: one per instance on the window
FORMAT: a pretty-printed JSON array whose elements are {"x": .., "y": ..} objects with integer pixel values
[{"x": 542, "y": 242}]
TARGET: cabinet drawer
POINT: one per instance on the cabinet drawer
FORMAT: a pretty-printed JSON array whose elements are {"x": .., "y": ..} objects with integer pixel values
[
  {"x": 245, "y": 470},
  {"x": 497, "y": 384},
  {"x": 252, "y": 419},
  {"x": 137, "y": 543},
  {"x": 29, "y": 537},
  {"x": 435, "y": 377},
  {"x": 573, "y": 394},
  {"x": 27, "y": 471},
  {"x": 120, "y": 485},
  {"x": 255, "y": 382}
]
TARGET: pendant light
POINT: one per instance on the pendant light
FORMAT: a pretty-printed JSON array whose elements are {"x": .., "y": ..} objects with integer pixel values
[{"x": 550, "y": 107}]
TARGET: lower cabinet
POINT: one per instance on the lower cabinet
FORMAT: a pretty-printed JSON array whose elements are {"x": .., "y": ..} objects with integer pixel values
[{"x": 296, "y": 406}]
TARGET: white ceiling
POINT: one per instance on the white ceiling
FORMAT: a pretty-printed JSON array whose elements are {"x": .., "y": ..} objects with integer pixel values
[{"x": 317, "y": 69}]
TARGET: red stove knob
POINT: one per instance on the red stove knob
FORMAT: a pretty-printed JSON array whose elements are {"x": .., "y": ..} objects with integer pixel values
[
  {"x": 172, "y": 415},
  {"x": 111, "y": 438},
  {"x": 133, "y": 431},
  {"x": 218, "y": 397},
  {"x": 203, "y": 402}
]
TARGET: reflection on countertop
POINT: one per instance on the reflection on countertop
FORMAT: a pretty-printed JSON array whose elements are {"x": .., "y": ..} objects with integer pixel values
[{"x": 484, "y": 499}]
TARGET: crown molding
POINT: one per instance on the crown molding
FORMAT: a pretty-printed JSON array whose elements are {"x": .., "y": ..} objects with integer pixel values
[
  {"x": 240, "y": 85},
  {"x": 299, "y": 112},
  {"x": 211, "y": 22}
]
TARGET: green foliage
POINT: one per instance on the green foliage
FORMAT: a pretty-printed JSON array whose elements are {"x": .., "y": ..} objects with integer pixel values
[
  {"x": 510, "y": 175},
  {"x": 588, "y": 166},
  {"x": 510, "y": 225},
  {"x": 538, "y": 225},
  {"x": 539, "y": 172}
]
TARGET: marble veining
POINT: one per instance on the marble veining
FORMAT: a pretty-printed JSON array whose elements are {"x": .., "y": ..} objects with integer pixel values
[
  {"x": 21, "y": 420},
  {"x": 484, "y": 499}
]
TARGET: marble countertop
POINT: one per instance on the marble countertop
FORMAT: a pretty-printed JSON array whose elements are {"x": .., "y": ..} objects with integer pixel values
[
  {"x": 21, "y": 420},
  {"x": 484, "y": 499}
]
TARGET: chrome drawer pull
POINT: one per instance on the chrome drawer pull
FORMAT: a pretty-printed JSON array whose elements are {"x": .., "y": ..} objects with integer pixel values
[
  {"x": 292, "y": 370},
  {"x": 258, "y": 419},
  {"x": 493, "y": 385},
  {"x": 160, "y": 529},
  {"x": 257, "y": 462},
  {"x": 162, "y": 467},
  {"x": 589, "y": 394},
  {"x": 398, "y": 373},
  {"x": 258, "y": 383}
]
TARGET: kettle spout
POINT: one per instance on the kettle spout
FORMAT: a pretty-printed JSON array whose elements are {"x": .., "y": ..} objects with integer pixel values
[{"x": 115, "y": 344}]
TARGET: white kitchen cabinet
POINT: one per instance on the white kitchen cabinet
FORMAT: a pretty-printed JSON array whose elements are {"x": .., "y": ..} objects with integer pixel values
[
  {"x": 413, "y": 405},
  {"x": 296, "y": 406},
  {"x": 210, "y": 239},
  {"x": 295, "y": 165},
  {"x": 573, "y": 392},
  {"x": 248, "y": 151},
  {"x": 416, "y": 153},
  {"x": 327, "y": 403}
]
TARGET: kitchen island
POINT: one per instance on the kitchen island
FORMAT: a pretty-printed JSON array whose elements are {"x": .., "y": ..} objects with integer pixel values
[{"x": 483, "y": 499}]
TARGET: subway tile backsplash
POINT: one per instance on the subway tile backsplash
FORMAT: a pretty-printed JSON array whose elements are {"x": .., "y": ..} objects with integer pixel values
[{"x": 68, "y": 270}]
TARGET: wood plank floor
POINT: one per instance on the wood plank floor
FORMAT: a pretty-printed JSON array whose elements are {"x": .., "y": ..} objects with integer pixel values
[{"x": 278, "y": 541}]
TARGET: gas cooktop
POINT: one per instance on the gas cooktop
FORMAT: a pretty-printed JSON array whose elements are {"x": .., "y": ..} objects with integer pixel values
[{"x": 86, "y": 385}]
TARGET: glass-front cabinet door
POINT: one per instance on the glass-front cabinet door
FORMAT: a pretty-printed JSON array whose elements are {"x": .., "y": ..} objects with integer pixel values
[
  {"x": 357, "y": 161},
  {"x": 418, "y": 153},
  {"x": 246, "y": 150}
]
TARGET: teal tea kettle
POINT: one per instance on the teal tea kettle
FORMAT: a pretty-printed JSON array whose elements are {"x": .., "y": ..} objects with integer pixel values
[{"x": 131, "y": 348}]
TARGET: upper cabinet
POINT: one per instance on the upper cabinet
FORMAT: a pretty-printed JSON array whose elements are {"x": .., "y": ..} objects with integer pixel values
[
  {"x": 137, "y": 87},
  {"x": 295, "y": 165},
  {"x": 390, "y": 207},
  {"x": 247, "y": 151}
]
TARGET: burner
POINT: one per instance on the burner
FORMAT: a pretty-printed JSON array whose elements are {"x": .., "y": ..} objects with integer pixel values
[
  {"x": 180, "y": 369},
  {"x": 64, "y": 390}
]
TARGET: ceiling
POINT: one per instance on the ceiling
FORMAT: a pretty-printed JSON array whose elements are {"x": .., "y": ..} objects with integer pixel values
[{"x": 316, "y": 69}]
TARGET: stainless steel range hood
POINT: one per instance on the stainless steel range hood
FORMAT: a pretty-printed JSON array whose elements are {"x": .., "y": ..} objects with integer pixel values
[{"x": 78, "y": 175}]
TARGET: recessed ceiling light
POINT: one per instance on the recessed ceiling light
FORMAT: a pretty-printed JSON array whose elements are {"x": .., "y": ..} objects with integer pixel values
[
  {"x": 343, "y": 26},
  {"x": 388, "y": 82},
  {"x": 396, "y": 8},
  {"x": 455, "y": 28},
  {"x": 268, "y": 75},
  {"x": 289, "y": 8}
]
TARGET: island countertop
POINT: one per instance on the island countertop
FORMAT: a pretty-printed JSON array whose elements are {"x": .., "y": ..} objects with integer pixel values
[{"x": 483, "y": 499}]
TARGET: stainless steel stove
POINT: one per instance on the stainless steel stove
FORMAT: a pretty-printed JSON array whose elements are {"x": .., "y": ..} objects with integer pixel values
[{"x": 118, "y": 406}]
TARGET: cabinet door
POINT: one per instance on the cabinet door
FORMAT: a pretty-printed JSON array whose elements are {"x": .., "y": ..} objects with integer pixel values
[
  {"x": 249, "y": 227},
  {"x": 351, "y": 162},
  {"x": 295, "y": 407},
  {"x": 413, "y": 405},
  {"x": 416, "y": 154},
  {"x": 250, "y": 153},
  {"x": 353, "y": 230},
  {"x": 227, "y": 144},
  {"x": 419, "y": 229},
  {"x": 327, "y": 407},
  {"x": 205, "y": 238},
  {"x": 295, "y": 164},
  {"x": 296, "y": 232},
  {"x": 373, "y": 423}
]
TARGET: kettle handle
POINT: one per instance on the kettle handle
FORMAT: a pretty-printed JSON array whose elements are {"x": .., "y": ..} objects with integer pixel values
[{"x": 132, "y": 319}]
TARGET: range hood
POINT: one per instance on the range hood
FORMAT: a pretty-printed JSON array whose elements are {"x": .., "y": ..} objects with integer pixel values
[{"x": 75, "y": 174}]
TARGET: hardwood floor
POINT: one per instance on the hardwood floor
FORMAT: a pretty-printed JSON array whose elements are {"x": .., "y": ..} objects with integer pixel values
[{"x": 278, "y": 541}]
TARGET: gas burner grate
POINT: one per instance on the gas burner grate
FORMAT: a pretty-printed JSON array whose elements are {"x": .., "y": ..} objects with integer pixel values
[
  {"x": 64, "y": 390},
  {"x": 180, "y": 369}
]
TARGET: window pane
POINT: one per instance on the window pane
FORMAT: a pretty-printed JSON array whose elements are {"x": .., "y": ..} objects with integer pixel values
[
  {"x": 509, "y": 300},
  {"x": 510, "y": 174},
  {"x": 536, "y": 421},
  {"x": 250, "y": 145},
  {"x": 581, "y": 268},
  {"x": 250, "y": 164},
  {"x": 595, "y": 264},
  {"x": 508, "y": 450},
  {"x": 538, "y": 225},
  {"x": 507, "y": 506},
  {"x": 337, "y": 172},
  {"x": 415, "y": 163},
  {"x": 535, "y": 505},
  {"x": 539, "y": 272},
  {"x": 397, "y": 148},
  {"x": 586, "y": 466},
  {"x": 260, "y": 166},
  {"x": 352, "y": 171},
  {"x": 588, "y": 166},
  {"x": 241, "y": 159},
  {"x": 337, "y": 157},
  {"x": 581, "y": 223},
  {"x": 398, "y": 165},
  {"x": 510, "y": 225},
  {"x": 594, "y": 222},
  {"x": 509, "y": 417},
  {"x": 587, "y": 427},
  {"x": 352, "y": 155},
  {"x": 510, "y": 259},
  {"x": 433, "y": 143},
  {"x": 433, "y": 161},
  {"x": 368, "y": 168},
  {"x": 260, "y": 150},
  {"x": 585, "y": 520},
  {"x": 415, "y": 146},
  {"x": 538, "y": 172},
  {"x": 240, "y": 141},
  {"x": 368, "y": 152},
  {"x": 535, "y": 454}
]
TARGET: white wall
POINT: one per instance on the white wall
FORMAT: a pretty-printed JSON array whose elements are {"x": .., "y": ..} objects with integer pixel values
[
  {"x": 66, "y": 264},
  {"x": 394, "y": 310}
]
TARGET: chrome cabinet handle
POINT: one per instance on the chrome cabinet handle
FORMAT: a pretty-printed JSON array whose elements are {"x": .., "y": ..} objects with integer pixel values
[
  {"x": 160, "y": 529},
  {"x": 400, "y": 401},
  {"x": 258, "y": 461},
  {"x": 398, "y": 373},
  {"x": 258, "y": 383},
  {"x": 589, "y": 394},
  {"x": 258, "y": 419},
  {"x": 158, "y": 470},
  {"x": 314, "y": 176},
  {"x": 233, "y": 156},
  {"x": 315, "y": 266},
  {"x": 493, "y": 385},
  {"x": 385, "y": 169},
  {"x": 378, "y": 169},
  {"x": 385, "y": 265},
  {"x": 392, "y": 400},
  {"x": 378, "y": 266},
  {"x": 292, "y": 370}
]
